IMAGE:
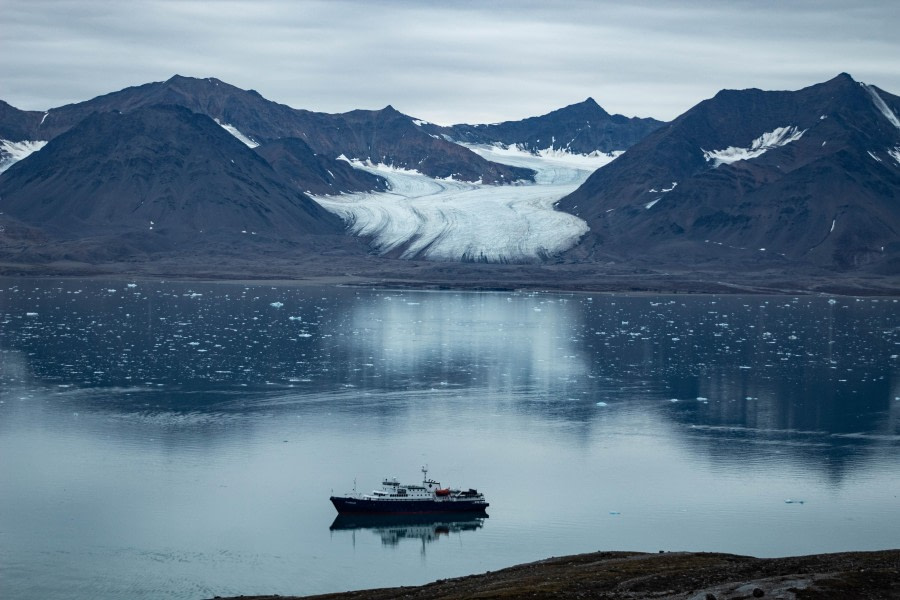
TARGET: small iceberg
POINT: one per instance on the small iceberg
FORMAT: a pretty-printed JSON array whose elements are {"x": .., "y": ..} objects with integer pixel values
[
  {"x": 276, "y": 304},
  {"x": 602, "y": 404}
]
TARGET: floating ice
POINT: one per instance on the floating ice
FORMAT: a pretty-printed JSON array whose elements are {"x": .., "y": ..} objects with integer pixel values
[
  {"x": 602, "y": 404},
  {"x": 767, "y": 141},
  {"x": 276, "y": 304}
]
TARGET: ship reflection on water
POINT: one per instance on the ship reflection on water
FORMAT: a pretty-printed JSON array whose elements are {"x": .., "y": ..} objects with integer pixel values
[{"x": 425, "y": 527}]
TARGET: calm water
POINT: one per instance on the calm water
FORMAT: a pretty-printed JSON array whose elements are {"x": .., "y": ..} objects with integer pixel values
[{"x": 174, "y": 440}]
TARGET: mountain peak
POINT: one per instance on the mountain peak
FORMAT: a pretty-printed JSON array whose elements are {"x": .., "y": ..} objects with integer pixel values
[{"x": 842, "y": 81}]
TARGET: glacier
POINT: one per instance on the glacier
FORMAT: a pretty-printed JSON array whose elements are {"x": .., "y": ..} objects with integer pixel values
[
  {"x": 767, "y": 141},
  {"x": 422, "y": 217},
  {"x": 13, "y": 152},
  {"x": 882, "y": 106}
]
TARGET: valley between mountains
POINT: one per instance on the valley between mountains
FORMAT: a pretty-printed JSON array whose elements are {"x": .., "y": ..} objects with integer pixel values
[{"x": 749, "y": 191}]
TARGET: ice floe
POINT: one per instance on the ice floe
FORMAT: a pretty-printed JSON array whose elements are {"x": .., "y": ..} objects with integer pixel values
[{"x": 767, "y": 141}]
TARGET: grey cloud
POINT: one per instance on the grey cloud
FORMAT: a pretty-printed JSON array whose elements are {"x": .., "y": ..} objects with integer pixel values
[{"x": 466, "y": 61}]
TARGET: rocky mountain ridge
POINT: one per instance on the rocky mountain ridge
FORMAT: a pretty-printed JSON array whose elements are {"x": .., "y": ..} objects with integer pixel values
[
  {"x": 756, "y": 177},
  {"x": 380, "y": 136},
  {"x": 787, "y": 182},
  {"x": 582, "y": 128},
  {"x": 156, "y": 178}
]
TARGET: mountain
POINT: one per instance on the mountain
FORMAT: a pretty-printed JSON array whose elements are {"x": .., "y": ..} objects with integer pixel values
[
  {"x": 756, "y": 177},
  {"x": 581, "y": 128},
  {"x": 155, "y": 178},
  {"x": 381, "y": 136},
  {"x": 316, "y": 173}
]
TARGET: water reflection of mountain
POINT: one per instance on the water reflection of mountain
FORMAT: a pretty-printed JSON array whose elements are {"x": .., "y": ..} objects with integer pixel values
[
  {"x": 426, "y": 528},
  {"x": 172, "y": 353}
]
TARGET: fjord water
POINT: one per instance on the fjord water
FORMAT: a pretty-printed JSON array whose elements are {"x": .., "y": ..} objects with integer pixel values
[{"x": 181, "y": 440}]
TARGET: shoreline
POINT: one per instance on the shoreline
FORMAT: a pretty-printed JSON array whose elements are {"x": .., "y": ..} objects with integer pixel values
[
  {"x": 483, "y": 280},
  {"x": 873, "y": 575}
]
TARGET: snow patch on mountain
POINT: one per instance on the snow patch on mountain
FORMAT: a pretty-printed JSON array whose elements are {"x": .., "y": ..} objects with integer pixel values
[
  {"x": 895, "y": 153},
  {"x": 250, "y": 143},
  {"x": 13, "y": 152},
  {"x": 882, "y": 106},
  {"x": 767, "y": 141},
  {"x": 444, "y": 219},
  {"x": 663, "y": 190},
  {"x": 515, "y": 154}
]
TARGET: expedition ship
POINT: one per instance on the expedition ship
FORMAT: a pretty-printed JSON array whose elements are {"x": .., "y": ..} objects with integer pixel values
[{"x": 396, "y": 498}]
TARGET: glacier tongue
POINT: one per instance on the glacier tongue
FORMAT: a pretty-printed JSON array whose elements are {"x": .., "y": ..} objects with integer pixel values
[
  {"x": 453, "y": 220},
  {"x": 767, "y": 141}
]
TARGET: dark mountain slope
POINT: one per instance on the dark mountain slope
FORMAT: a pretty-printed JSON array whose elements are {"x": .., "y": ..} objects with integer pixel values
[
  {"x": 315, "y": 173},
  {"x": 811, "y": 176},
  {"x": 18, "y": 125},
  {"x": 161, "y": 175},
  {"x": 380, "y": 136},
  {"x": 579, "y": 128},
  {"x": 390, "y": 137}
]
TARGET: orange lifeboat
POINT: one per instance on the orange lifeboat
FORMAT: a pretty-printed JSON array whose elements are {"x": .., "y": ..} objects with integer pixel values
[{"x": 444, "y": 492}]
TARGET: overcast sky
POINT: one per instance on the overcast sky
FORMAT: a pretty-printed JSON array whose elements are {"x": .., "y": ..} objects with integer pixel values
[{"x": 445, "y": 61}]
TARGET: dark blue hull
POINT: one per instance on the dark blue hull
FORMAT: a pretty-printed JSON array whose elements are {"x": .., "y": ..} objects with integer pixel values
[{"x": 405, "y": 507}]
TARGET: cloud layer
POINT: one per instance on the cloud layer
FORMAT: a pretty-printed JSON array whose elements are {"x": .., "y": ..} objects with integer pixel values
[{"x": 464, "y": 61}]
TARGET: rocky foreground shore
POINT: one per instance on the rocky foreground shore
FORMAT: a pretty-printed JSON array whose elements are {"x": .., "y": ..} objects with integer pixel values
[{"x": 667, "y": 576}]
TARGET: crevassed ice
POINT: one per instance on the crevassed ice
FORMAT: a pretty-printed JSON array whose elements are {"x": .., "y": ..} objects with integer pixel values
[
  {"x": 236, "y": 133},
  {"x": 13, "y": 152},
  {"x": 772, "y": 139},
  {"x": 457, "y": 220}
]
